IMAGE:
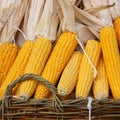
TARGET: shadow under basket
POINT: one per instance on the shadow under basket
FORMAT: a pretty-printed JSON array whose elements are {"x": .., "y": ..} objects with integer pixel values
[{"x": 14, "y": 108}]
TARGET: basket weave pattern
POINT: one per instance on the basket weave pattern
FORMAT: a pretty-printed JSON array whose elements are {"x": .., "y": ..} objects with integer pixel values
[{"x": 12, "y": 107}]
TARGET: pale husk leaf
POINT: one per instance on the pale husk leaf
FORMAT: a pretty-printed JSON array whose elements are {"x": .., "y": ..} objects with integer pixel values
[
  {"x": 87, "y": 4},
  {"x": 97, "y": 21},
  {"x": 76, "y": 2},
  {"x": 69, "y": 17},
  {"x": 13, "y": 23},
  {"x": 32, "y": 18},
  {"x": 88, "y": 19},
  {"x": 103, "y": 14},
  {"x": 6, "y": 9},
  {"x": 59, "y": 30},
  {"x": 84, "y": 33},
  {"x": 20, "y": 39},
  {"x": 115, "y": 10},
  {"x": 96, "y": 33},
  {"x": 47, "y": 26},
  {"x": 95, "y": 10}
]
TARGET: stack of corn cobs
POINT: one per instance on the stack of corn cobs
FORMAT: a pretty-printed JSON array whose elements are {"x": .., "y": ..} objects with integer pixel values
[{"x": 73, "y": 44}]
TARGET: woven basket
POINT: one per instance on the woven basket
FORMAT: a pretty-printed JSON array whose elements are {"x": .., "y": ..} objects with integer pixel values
[{"x": 12, "y": 108}]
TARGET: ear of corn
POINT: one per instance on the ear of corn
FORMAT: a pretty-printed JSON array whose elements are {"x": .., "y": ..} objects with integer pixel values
[
  {"x": 111, "y": 58},
  {"x": 18, "y": 66},
  {"x": 8, "y": 53},
  {"x": 100, "y": 85},
  {"x": 117, "y": 28},
  {"x": 8, "y": 32},
  {"x": 35, "y": 65},
  {"x": 69, "y": 76},
  {"x": 58, "y": 59},
  {"x": 86, "y": 71}
]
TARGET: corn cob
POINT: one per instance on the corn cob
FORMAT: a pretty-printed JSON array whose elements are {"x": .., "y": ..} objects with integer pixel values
[
  {"x": 69, "y": 76},
  {"x": 8, "y": 53},
  {"x": 42, "y": 47},
  {"x": 35, "y": 65},
  {"x": 62, "y": 51},
  {"x": 6, "y": 9},
  {"x": 86, "y": 72},
  {"x": 18, "y": 66},
  {"x": 111, "y": 57},
  {"x": 58, "y": 59},
  {"x": 100, "y": 85},
  {"x": 117, "y": 28},
  {"x": 8, "y": 32}
]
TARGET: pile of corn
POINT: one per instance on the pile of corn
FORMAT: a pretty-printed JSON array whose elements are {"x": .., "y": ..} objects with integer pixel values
[{"x": 66, "y": 42}]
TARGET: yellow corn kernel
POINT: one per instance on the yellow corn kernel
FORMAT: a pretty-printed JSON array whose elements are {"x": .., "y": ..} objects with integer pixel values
[
  {"x": 18, "y": 66},
  {"x": 86, "y": 71},
  {"x": 117, "y": 28},
  {"x": 8, "y": 53},
  {"x": 100, "y": 85},
  {"x": 2, "y": 46},
  {"x": 69, "y": 76},
  {"x": 111, "y": 57},
  {"x": 59, "y": 57},
  {"x": 35, "y": 65}
]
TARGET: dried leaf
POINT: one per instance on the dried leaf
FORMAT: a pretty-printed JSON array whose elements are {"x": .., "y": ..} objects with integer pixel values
[
  {"x": 13, "y": 23},
  {"x": 47, "y": 26},
  {"x": 104, "y": 14},
  {"x": 115, "y": 10},
  {"x": 84, "y": 33},
  {"x": 32, "y": 17},
  {"x": 69, "y": 17},
  {"x": 87, "y": 4},
  {"x": 95, "y": 33},
  {"x": 88, "y": 19},
  {"x": 6, "y": 9},
  {"x": 95, "y": 10}
]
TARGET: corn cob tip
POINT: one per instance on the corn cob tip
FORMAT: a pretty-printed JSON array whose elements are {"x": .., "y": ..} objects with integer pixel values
[
  {"x": 62, "y": 91},
  {"x": 57, "y": 61},
  {"x": 86, "y": 71},
  {"x": 111, "y": 55},
  {"x": 23, "y": 96},
  {"x": 102, "y": 96}
]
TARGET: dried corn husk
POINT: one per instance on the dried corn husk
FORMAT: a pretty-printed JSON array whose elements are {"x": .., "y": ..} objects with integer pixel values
[
  {"x": 32, "y": 18},
  {"x": 68, "y": 13},
  {"x": 48, "y": 23},
  {"x": 94, "y": 21},
  {"x": 115, "y": 10},
  {"x": 84, "y": 33},
  {"x": 10, "y": 28},
  {"x": 76, "y": 2},
  {"x": 94, "y": 10},
  {"x": 88, "y": 19},
  {"x": 33, "y": 13},
  {"x": 100, "y": 9},
  {"x": 6, "y": 9}
]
